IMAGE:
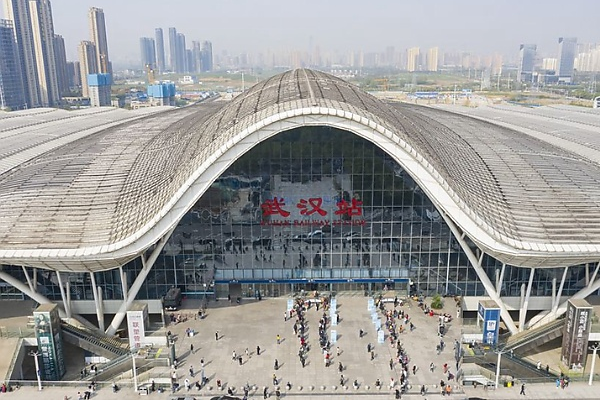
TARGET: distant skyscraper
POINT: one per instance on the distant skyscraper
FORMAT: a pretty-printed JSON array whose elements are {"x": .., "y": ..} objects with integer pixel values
[
  {"x": 173, "y": 49},
  {"x": 549, "y": 64},
  {"x": 148, "y": 52},
  {"x": 18, "y": 12},
  {"x": 412, "y": 63},
  {"x": 207, "y": 56},
  {"x": 60, "y": 56},
  {"x": 98, "y": 36},
  {"x": 181, "y": 54},
  {"x": 567, "y": 50},
  {"x": 43, "y": 42},
  {"x": 197, "y": 56},
  {"x": 527, "y": 54},
  {"x": 12, "y": 95},
  {"x": 160, "y": 49},
  {"x": 74, "y": 73},
  {"x": 433, "y": 59},
  {"x": 87, "y": 64}
]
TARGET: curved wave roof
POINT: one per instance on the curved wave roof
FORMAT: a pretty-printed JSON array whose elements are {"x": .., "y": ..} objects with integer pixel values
[{"x": 93, "y": 201}]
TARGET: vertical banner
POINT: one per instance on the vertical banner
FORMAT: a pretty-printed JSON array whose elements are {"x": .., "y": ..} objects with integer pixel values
[
  {"x": 290, "y": 305},
  {"x": 136, "y": 320},
  {"x": 576, "y": 334},
  {"x": 49, "y": 337},
  {"x": 333, "y": 336}
]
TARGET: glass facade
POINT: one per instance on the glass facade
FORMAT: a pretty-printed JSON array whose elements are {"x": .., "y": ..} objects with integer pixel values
[{"x": 314, "y": 208}]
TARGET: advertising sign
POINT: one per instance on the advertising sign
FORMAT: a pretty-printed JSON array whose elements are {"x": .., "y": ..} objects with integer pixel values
[
  {"x": 136, "y": 318},
  {"x": 576, "y": 334},
  {"x": 49, "y": 337},
  {"x": 380, "y": 336},
  {"x": 489, "y": 311}
]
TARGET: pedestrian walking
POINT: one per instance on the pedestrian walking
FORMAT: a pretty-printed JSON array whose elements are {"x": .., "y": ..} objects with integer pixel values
[
  {"x": 265, "y": 392},
  {"x": 247, "y": 353},
  {"x": 258, "y": 350},
  {"x": 341, "y": 380},
  {"x": 192, "y": 348},
  {"x": 240, "y": 360},
  {"x": 276, "y": 365},
  {"x": 278, "y": 339},
  {"x": 522, "y": 389},
  {"x": 192, "y": 371},
  {"x": 234, "y": 356},
  {"x": 391, "y": 363},
  {"x": 338, "y": 351},
  {"x": 217, "y": 335},
  {"x": 431, "y": 367},
  {"x": 360, "y": 333},
  {"x": 372, "y": 355}
]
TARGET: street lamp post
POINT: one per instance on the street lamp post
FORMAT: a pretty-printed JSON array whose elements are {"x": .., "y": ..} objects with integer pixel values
[
  {"x": 204, "y": 305},
  {"x": 594, "y": 348},
  {"x": 135, "y": 382},
  {"x": 38, "y": 373}
]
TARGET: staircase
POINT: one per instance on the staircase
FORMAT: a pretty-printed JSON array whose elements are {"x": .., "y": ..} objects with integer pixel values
[
  {"x": 93, "y": 341},
  {"x": 530, "y": 339}
]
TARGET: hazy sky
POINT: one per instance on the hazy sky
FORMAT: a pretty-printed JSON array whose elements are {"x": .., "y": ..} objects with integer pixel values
[{"x": 481, "y": 26}]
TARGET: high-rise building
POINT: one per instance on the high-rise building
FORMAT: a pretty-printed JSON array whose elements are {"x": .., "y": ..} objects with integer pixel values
[
  {"x": 42, "y": 28},
  {"x": 549, "y": 64},
  {"x": 173, "y": 49},
  {"x": 148, "y": 52},
  {"x": 87, "y": 64},
  {"x": 433, "y": 59},
  {"x": 567, "y": 50},
  {"x": 412, "y": 55},
  {"x": 12, "y": 96},
  {"x": 74, "y": 70},
  {"x": 181, "y": 54},
  {"x": 207, "y": 56},
  {"x": 98, "y": 37},
  {"x": 17, "y": 11},
  {"x": 160, "y": 49},
  {"x": 196, "y": 56},
  {"x": 99, "y": 89},
  {"x": 60, "y": 57},
  {"x": 527, "y": 53}
]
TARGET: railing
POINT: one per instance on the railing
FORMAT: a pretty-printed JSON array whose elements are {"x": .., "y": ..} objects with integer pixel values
[
  {"x": 14, "y": 359},
  {"x": 16, "y": 332},
  {"x": 523, "y": 338},
  {"x": 110, "y": 344}
]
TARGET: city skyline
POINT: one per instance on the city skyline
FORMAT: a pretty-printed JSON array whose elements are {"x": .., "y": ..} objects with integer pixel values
[{"x": 266, "y": 26}]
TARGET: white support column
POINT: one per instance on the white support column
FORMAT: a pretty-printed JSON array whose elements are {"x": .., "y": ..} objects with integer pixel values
[
  {"x": 587, "y": 274},
  {"x": 593, "y": 279},
  {"x": 137, "y": 283},
  {"x": 485, "y": 280},
  {"x": 35, "y": 274},
  {"x": 11, "y": 280},
  {"x": 523, "y": 311},
  {"x": 31, "y": 287},
  {"x": 549, "y": 316},
  {"x": 62, "y": 295},
  {"x": 123, "y": 282},
  {"x": 69, "y": 304},
  {"x": 100, "y": 308},
  {"x": 97, "y": 301},
  {"x": 501, "y": 280},
  {"x": 560, "y": 289},
  {"x": 553, "y": 291}
]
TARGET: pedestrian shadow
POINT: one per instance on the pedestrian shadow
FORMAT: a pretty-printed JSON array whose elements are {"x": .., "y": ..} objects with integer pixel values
[
  {"x": 339, "y": 336},
  {"x": 282, "y": 340},
  {"x": 281, "y": 365}
]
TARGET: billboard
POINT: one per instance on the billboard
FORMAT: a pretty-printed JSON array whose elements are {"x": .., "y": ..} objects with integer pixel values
[
  {"x": 49, "y": 338},
  {"x": 489, "y": 312},
  {"x": 136, "y": 324},
  {"x": 576, "y": 334}
]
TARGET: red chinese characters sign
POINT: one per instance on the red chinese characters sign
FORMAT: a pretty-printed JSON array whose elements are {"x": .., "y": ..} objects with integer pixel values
[{"x": 312, "y": 206}]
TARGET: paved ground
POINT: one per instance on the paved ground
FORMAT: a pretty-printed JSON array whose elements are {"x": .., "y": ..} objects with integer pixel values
[{"x": 257, "y": 323}]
